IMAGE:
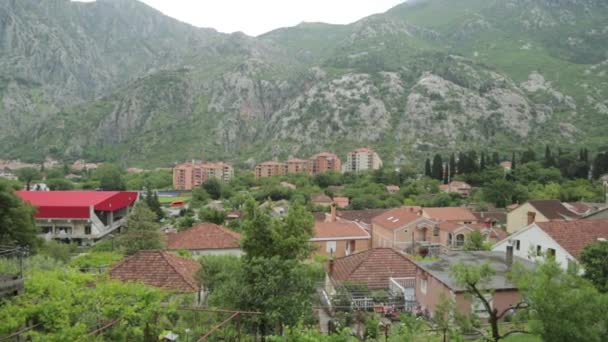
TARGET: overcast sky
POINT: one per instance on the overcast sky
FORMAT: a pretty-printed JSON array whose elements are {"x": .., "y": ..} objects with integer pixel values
[{"x": 255, "y": 17}]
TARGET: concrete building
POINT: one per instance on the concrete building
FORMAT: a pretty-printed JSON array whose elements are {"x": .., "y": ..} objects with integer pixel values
[
  {"x": 295, "y": 165},
  {"x": 270, "y": 169},
  {"x": 190, "y": 175},
  {"x": 82, "y": 217},
  {"x": 362, "y": 159},
  {"x": 325, "y": 162}
]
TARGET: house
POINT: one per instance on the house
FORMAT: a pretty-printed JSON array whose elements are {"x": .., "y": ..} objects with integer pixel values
[
  {"x": 159, "y": 269},
  {"x": 363, "y": 217},
  {"x": 598, "y": 215},
  {"x": 339, "y": 238},
  {"x": 397, "y": 228},
  {"x": 584, "y": 208},
  {"x": 434, "y": 280},
  {"x": 321, "y": 199},
  {"x": 325, "y": 162},
  {"x": 455, "y": 235},
  {"x": 82, "y": 217},
  {"x": 341, "y": 202},
  {"x": 374, "y": 269},
  {"x": 392, "y": 189},
  {"x": 205, "y": 239},
  {"x": 451, "y": 214},
  {"x": 457, "y": 187},
  {"x": 188, "y": 176},
  {"x": 492, "y": 218},
  {"x": 362, "y": 159},
  {"x": 506, "y": 165},
  {"x": 564, "y": 240},
  {"x": 537, "y": 211}
]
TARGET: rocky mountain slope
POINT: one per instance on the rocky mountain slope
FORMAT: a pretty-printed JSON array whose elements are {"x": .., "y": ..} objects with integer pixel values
[{"x": 135, "y": 86}]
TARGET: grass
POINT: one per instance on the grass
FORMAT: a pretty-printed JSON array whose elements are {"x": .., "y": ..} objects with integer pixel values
[{"x": 169, "y": 200}]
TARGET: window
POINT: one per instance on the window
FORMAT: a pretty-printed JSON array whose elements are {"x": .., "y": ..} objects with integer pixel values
[
  {"x": 87, "y": 229},
  {"x": 517, "y": 244},
  {"x": 478, "y": 308},
  {"x": 423, "y": 284},
  {"x": 539, "y": 250},
  {"x": 551, "y": 252},
  {"x": 436, "y": 231},
  {"x": 330, "y": 247}
]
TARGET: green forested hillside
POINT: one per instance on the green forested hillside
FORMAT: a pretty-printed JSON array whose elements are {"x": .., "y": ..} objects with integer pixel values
[{"x": 427, "y": 75}]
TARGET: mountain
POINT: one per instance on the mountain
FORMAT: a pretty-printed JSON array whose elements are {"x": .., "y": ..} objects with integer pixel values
[{"x": 136, "y": 87}]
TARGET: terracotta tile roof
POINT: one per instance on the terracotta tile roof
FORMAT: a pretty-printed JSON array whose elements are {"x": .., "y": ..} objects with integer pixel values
[
  {"x": 494, "y": 216},
  {"x": 339, "y": 230},
  {"x": 204, "y": 236},
  {"x": 158, "y": 269},
  {"x": 396, "y": 218},
  {"x": 364, "y": 216},
  {"x": 553, "y": 210},
  {"x": 321, "y": 198},
  {"x": 573, "y": 236},
  {"x": 497, "y": 233},
  {"x": 451, "y": 227},
  {"x": 341, "y": 202},
  {"x": 271, "y": 163},
  {"x": 449, "y": 214},
  {"x": 373, "y": 267}
]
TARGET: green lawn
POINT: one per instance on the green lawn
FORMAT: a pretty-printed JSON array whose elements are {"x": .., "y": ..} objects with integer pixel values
[{"x": 169, "y": 200}]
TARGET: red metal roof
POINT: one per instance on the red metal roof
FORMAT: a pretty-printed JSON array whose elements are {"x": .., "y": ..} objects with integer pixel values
[{"x": 76, "y": 204}]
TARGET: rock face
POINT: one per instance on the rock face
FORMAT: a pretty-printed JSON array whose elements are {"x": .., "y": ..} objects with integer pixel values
[{"x": 117, "y": 80}]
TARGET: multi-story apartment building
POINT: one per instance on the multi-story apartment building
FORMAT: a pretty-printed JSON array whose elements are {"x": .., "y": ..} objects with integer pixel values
[
  {"x": 189, "y": 175},
  {"x": 362, "y": 159},
  {"x": 269, "y": 169},
  {"x": 324, "y": 162},
  {"x": 295, "y": 165}
]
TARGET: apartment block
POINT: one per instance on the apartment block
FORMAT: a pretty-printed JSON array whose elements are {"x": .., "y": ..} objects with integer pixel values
[
  {"x": 269, "y": 169},
  {"x": 295, "y": 165},
  {"x": 190, "y": 175},
  {"x": 362, "y": 159},
  {"x": 325, "y": 162}
]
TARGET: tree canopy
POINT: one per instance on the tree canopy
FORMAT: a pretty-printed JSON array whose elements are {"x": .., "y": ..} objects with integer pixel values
[{"x": 17, "y": 224}]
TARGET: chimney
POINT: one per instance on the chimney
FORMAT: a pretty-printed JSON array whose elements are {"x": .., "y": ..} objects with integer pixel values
[
  {"x": 333, "y": 212},
  {"x": 509, "y": 256},
  {"x": 331, "y": 267},
  {"x": 531, "y": 217}
]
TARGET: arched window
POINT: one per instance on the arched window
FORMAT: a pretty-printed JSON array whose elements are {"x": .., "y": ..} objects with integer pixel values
[{"x": 460, "y": 240}]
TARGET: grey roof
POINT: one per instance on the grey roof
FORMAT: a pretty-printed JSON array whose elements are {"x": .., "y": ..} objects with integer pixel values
[{"x": 442, "y": 269}]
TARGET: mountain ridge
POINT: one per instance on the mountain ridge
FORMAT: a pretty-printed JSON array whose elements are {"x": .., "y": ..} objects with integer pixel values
[{"x": 422, "y": 77}]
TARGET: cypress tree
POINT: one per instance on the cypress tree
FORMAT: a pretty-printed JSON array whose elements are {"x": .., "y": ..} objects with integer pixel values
[
  {"x": 452, "y": 166},
  {"x": 437, "y": 168},
  {"x": 482, "y": 163},
  {"x": 495, "y": 159},
  {"x": 549, "y": 162},
  {"x": 427, "y": 168},
  {"x": 513, "y": 162},
  {"x": 460, "y": 164}
]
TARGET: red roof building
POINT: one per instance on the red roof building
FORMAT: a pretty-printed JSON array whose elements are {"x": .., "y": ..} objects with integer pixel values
[
  {"x": 159, "y": 269},
  {"x": 79, "y": 216},
  {"x": 340, "y": 238},
  {"x": 204, "y": 239}
]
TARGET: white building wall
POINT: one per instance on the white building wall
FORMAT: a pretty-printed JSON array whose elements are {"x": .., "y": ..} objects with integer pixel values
[{"x": 529, "y": 239}]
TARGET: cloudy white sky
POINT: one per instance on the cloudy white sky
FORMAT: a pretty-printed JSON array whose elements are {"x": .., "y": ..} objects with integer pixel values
[{"x": 255, "y": 17}]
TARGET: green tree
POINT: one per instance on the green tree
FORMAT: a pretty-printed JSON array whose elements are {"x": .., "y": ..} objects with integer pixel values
[
  {"x": 151, "y": 200},
  {"x": 27, "y": 175},
  {"x": 110, "y": 177},
  {"x": 17, "y": 224},
  {"x": 594, "y": 259},
  {"x": 212, "y": 216},
  {"x": 142, "y": 231},
  {"x": 475, "y": 242},
  {"x": 213, "y": 187},
  {"x": 579, "y": 314},
  {"x": 59, "y": 184},
  {"x": 528, "y": 156},
  {"x": 427, "y": 168},
  {"x": 437, "y": 168},
  {"x": 476, "y": 279}
]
